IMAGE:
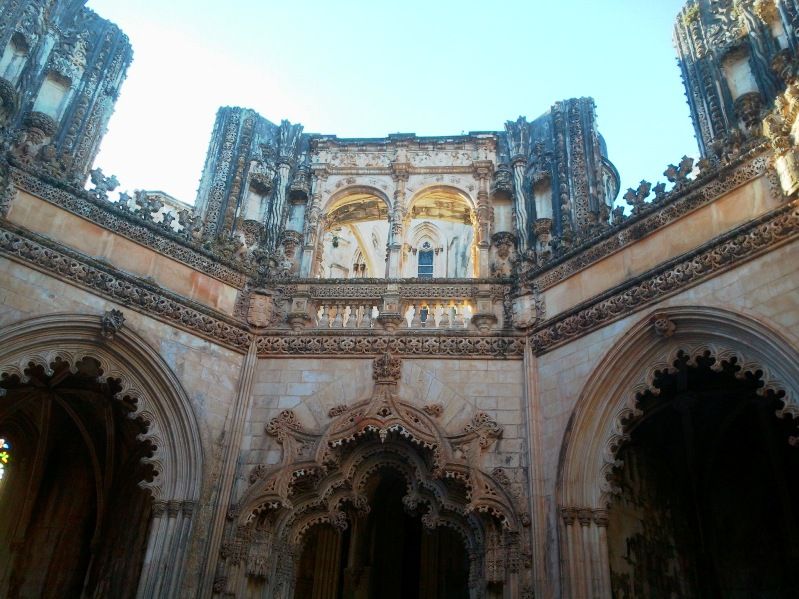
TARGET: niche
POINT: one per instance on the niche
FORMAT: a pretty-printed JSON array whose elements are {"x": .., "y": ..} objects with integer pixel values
[
  {"x": 13, "y": 59},
  {"x": 53, "y": 95}
]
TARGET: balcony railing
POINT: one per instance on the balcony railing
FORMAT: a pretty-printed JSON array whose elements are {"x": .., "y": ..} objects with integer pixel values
[{"x": 363, "y": 304}]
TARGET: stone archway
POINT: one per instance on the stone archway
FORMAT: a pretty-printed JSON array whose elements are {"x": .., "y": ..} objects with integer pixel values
[
  {"x": 610, "y": 407},
  {"x": 328, "y": 482},
  {"x": 122, "y": 400}
]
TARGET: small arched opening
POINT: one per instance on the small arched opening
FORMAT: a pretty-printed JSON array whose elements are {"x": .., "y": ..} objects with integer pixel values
[
  {"x": 444, "y": 218},
  {"x": 355, "y": 230}
]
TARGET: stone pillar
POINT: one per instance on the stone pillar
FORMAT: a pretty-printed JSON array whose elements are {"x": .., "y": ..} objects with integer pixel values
[
  {"x": 584, "y": 549},
  {"x": 545, "y": 563},
  {"x": 313, "y": 223},
  {"x": 520, "y": 203},
  {"x": 275, "y": 220},
  {"x": 166, "y": 549},
  {"x": 397, "y": 223},
  {"x": 484, "y": 217},
  {"x": 234, "y": 431}
]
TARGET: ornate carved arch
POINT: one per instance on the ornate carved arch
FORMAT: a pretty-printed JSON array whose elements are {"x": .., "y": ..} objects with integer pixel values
[
  {"x": 339, "y": 195},
  {"x": 145, "y": 381},
  {"x": 142, "y": 377},
  {"x": 324, "y": 475},
  {"x": 608, "y": 405},
  {"x": 454, "y": 190}
]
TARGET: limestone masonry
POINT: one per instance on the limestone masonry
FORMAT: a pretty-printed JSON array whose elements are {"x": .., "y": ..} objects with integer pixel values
[{"x": 466, "y": 366}]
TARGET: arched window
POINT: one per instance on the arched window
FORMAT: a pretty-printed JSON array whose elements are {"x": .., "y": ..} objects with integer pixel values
[{"x": 425, "y": 261}]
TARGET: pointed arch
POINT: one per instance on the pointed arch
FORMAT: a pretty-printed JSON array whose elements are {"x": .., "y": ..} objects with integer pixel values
[
  {"x": 597, "y": 426},
  {"x": 146, "y": 382}
]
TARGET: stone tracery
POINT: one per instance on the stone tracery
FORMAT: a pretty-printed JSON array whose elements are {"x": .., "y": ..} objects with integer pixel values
[{"x": 323, "y": 476}]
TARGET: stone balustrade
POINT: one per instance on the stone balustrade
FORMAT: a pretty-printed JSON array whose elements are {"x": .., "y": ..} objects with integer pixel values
[{"x": 454, "y": 305}]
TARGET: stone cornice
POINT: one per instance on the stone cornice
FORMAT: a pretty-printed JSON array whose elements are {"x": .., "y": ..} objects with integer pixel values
[
  {"x": 368, "y": 343},
  {"x": 127, "y": 224},
  {"x": 725, "y": 252},
  {"x": 654, "y": 216},
  {"x": 467, "y": 169},
  {"x": 97, "y": 277}
]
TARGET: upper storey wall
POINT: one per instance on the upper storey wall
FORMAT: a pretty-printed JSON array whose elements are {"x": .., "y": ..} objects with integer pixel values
[
  {"x": 61, "y": 68},
  {"x": 267, "y": 188},
  {"x": 735, "y": 58}
]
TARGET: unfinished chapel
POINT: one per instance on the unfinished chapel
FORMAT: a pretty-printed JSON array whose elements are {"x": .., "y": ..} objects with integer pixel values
[{"x": 455, "y": 367}]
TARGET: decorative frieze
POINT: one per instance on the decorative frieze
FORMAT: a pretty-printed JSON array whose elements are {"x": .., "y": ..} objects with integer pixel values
[
  {"x": 723, "y": 252},
  {"x": 100, "y": 278},
  {"x": 399, "y": 344},
  {"x": 127, "y": 224}
]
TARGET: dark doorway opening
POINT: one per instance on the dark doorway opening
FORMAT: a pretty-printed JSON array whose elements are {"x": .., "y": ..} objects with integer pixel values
[{"x": 709, "y": 497}]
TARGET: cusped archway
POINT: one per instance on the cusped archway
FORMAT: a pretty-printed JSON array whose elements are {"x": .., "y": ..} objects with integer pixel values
[
  {"x": 696, "y": 350},
  {"x": 107, "y": 365},
  {"x": 379, "y": 461}
]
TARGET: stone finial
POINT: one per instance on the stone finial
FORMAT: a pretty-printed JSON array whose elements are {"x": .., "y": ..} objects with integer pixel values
[
  {"x": 111, "y": 323},
  {"x": 679, "y": 174},
  {"x": 636, "y": 198},
  {"x": 102, "y": 184}
]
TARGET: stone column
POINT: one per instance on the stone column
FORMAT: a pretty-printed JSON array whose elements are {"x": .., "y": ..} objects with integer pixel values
[
  {"x": 234, "y": 432},
  {"x": 584, "y": 549},
  {"x": 166, "y": 549},
  {"x": 313, "y": 223},
  {"x": 484, "y": 217},
  {"x": 545, "y": 563},
  {"x": 520, "y": 203},
  {"x": 397, "y": 223},
  {"x": 275, "y": 219}
]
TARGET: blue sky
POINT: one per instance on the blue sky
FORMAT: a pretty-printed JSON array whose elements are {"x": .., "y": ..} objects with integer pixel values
[{"x": 366, "y": 69}]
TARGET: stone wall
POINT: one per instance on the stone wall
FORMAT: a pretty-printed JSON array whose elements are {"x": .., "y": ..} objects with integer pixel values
[{"x": 208, "y": 373}]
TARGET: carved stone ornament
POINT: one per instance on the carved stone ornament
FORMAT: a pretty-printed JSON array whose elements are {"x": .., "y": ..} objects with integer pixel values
[
  {"x": 323, "y": 477},
  {"x": 260, "y": 312},
  {"x": 111, "y": 323},
  {"x": 526, "y": 310},
  {"x": 663, "y": 325},
  {"x": 386, "y": 369}
]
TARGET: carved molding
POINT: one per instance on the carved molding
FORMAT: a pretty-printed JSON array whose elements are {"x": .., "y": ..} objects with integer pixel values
[
  {"x": 100, "y": 278},
  {"x": 652, "y": 217},
  {"x": 726, "y": 251},
  {"x": 608, "y": 405},
  {"x": 144, "y": 381},
  {"x": 400, "y": 344},
  {"x": 127, "y": 224},
  {"x": 628, "y": 413}
]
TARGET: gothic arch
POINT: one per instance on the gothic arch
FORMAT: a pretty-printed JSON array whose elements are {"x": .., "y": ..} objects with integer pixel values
[
  {"x": 596, "y": 428},
  {"x": 608, "y": 407},
  {"x": 340, "y": 195},
  {"x": 160, "y": 402},
  {"x": 452, "y": 190},
  {"x": 324, "y": 475}
]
